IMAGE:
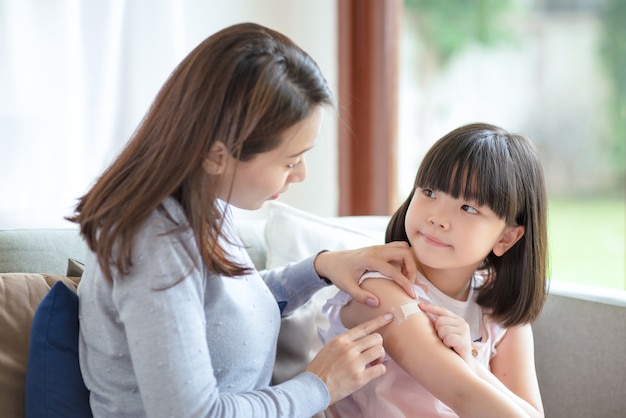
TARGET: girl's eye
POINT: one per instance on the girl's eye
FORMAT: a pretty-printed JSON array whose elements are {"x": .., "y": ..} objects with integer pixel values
[
  {"x": 469, "y": 209},
  {"x": 429, "y": 193}
]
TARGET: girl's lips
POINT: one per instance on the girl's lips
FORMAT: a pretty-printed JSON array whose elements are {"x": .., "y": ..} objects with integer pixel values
[{"x": 434, "y": 241}]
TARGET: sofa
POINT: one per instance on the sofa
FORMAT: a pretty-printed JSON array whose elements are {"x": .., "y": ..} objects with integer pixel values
[{"x": 579, "y": 338}]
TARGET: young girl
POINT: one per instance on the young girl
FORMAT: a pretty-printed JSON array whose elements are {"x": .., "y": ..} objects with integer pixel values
[
  {"x": 476, "y": 221},
  {"x": 174, "y": 320}
]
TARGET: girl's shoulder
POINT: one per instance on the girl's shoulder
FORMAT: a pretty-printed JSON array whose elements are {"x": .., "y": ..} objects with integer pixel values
[{"x": 421, "y": 286}]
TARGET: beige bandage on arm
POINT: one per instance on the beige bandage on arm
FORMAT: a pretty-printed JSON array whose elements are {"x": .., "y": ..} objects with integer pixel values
[{"x": 402, "y": 312}]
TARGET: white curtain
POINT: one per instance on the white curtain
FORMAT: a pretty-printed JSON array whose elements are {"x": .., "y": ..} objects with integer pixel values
[{"x": 76, "y": 77}]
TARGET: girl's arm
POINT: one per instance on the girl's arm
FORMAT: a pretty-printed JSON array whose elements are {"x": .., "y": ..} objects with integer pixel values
[
  {"x": 416, "y": 347},
  {"x": 514, "y": 365},
  {"x": 512, "y": 369}
]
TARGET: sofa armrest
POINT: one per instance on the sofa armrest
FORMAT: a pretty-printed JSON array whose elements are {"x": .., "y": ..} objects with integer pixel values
[{"x": 579, "y": 349}]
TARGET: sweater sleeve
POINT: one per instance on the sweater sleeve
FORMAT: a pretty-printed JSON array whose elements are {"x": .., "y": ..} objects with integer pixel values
[
  {"x": 175, "y": 374},
  {"x": 294, "y": 284}
]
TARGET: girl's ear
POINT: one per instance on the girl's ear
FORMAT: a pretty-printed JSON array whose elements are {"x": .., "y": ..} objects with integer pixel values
[
  {"x": 509, "y": 237},
  {"x": 215, "y": 161}
]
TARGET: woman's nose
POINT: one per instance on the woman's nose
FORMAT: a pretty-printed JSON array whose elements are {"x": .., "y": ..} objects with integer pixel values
[{"x": 299, "y": 172}]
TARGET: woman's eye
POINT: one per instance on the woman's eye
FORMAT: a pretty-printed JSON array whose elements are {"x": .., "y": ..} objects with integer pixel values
[
  {"x": 469, "y": 209},
  {"x": 428, "y": 193},
  {"x": 294, "y": 165}
]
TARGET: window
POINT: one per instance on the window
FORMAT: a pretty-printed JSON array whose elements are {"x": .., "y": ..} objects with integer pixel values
[{"x": 553, "y": 70}]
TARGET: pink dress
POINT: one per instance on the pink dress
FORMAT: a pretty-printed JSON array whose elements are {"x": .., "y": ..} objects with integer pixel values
[{"x": 396, "y": 394}]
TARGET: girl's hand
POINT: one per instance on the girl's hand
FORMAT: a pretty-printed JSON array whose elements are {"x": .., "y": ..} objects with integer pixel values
[
  {"x": 344, "y": 268},
  {"x": 352, "y": 359},
  {"x": 453, "y": 330}
]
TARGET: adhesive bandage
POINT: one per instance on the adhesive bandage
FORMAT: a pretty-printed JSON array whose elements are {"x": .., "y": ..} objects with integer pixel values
[{"x": 410, "y": 308}]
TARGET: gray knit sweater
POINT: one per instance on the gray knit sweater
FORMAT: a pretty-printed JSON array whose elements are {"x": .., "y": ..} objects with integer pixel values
[{"x": 170, "y": 339}]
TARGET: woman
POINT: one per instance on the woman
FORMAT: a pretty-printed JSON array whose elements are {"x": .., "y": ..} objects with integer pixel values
[{"x": 174, "y": 319}]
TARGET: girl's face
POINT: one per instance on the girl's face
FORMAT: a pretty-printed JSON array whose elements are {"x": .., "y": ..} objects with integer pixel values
[
  {"x": 269, "y": 174},
  {"x": 448, "y": 233}
]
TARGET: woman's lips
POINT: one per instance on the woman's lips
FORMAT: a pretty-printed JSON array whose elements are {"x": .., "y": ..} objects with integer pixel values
[{"x": 277, "y": 195}]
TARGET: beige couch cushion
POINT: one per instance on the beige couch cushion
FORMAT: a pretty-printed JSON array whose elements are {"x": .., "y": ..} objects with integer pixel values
[{"x": 20, "y": 294}]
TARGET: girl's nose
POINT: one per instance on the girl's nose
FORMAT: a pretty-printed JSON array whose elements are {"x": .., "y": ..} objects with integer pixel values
[{"x": 439, "y": 220}]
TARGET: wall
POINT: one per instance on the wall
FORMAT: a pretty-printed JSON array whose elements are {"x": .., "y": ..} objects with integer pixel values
[{"x": 77, "y": 77}]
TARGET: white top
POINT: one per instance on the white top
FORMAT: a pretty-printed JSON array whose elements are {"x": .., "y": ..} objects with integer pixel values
[{"x": 396, "y": 394}]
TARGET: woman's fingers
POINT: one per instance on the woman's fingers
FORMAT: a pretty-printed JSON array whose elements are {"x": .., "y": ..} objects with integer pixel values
[
  {"x": 398, "y": 253},
  {"x": 369, "y": 327},
  {"x": 344, "y": 268},
  {"x": 352, "y": 359}
]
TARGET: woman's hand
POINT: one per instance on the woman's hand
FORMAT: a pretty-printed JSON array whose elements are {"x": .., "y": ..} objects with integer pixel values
[
  {"x": 344, "y": 268},
  {"x": 452, "y": 330},
  {"x": 352, "y": 359}
]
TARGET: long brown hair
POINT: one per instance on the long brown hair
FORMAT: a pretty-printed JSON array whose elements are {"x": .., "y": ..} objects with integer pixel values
[
  {"x": 493, "y": 167},
  {"x": 245, "y": 85}
]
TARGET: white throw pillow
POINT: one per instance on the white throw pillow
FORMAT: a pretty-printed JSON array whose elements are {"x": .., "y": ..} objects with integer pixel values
[
  {"x": 252, "y": 235},
  {"x": 293, "y": 235}
]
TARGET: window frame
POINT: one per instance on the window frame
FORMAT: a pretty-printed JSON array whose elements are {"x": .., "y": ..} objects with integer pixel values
[{"x": 369, "y": 37}]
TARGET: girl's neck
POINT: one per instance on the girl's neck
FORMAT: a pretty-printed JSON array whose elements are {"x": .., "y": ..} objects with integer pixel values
[{"x": 455, "y": 283}]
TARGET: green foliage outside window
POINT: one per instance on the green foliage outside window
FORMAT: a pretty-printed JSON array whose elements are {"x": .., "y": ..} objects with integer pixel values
[
  {"x": 614, "y": 55},
  {"x": 586, "y": 218}
]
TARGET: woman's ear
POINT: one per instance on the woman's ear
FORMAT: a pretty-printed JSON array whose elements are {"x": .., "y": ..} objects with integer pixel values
[
  {"x": 215, "y": 161},
  {"x": 509, "y": 237}
]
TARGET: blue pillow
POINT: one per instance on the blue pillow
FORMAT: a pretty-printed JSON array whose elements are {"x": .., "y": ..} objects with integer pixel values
[{"x": 54, "y": 384}]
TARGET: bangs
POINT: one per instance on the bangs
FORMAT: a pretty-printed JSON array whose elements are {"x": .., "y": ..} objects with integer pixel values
[{"x": 474, "y": 166}]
